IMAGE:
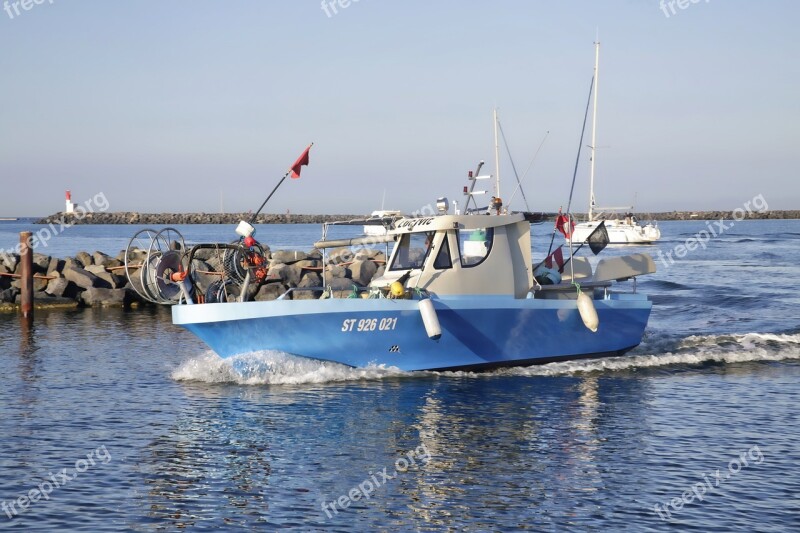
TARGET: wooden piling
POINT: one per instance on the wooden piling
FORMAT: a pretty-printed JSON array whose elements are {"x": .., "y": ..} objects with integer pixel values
[{"x": 26, "y": 270}]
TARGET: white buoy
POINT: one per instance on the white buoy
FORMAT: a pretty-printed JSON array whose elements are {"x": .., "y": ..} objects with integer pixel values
[
  {"x": 587, "y": 311},
  {"x": 245, "y": 229},
  {"x": 430, "y": 319}
]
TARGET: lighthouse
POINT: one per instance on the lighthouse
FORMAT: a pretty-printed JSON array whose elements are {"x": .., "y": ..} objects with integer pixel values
[{"x": 70, "y": 207}]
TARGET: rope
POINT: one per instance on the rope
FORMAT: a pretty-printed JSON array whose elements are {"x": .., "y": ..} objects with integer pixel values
[
  {"x": 35, "y": 276},
  {"x": 580, "y": 144},
  {"x": 530, "y": 166},
  {"x": 513, "y": 166}
]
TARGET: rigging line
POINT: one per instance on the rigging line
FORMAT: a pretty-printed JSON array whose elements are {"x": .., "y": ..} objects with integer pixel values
[
  {"x": 513, "y": 167},
  {"x": 577, "y": 160},
  {"x": 524, "y": 175},
  {"x": 580, "y": 145}
]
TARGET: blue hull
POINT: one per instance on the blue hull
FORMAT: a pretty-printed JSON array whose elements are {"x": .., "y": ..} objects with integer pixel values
[{"x": 477, "y": 332}]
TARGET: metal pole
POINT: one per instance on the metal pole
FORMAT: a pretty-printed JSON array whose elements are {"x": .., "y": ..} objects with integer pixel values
[
  {"x": 594, "y": 131},
  {"x": 26, "y": 281},
  {"x": 496, "y": 157},
  {"x": 255, "y": 215}
]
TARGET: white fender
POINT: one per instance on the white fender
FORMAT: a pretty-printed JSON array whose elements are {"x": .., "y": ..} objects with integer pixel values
[
  {"x": 587, "y": 311},
  {"x": 430, "y": 319}
]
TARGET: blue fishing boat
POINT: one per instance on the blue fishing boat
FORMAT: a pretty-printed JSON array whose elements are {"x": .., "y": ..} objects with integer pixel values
[{"x": 458, "y": 293}]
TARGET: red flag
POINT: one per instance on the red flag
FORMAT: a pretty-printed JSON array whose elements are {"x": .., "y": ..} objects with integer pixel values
[
  {"x": 565, "y": 225},
  {"x": 557, "y": 257},
  {"x": 302, "y": 160}
]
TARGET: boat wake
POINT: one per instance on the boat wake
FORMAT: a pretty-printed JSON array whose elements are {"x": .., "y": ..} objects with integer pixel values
[
  {"x": 277, "y": 368},
  {"x": 665, "y": 351}
]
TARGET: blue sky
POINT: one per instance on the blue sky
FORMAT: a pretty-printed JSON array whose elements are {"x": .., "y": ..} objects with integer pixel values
[{"x": 167, "y": 106}]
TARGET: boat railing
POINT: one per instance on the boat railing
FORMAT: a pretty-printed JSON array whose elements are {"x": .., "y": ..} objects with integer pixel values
[{"x": 354, "y": 292}]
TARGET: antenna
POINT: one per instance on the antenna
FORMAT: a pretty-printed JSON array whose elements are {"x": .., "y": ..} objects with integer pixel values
[
  {"x": 594, "y": 132},
  {"x": 496, "y": 157}
]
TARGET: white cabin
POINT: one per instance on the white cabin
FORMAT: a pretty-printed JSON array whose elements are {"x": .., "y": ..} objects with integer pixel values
[{"x": 462, "y": 254}]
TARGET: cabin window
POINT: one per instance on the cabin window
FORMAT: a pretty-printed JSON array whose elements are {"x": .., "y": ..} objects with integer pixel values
[
  {"x": 475, "y": 245},
  {"x": 443, "y": 259},
  {"x": 411, "y": 251}
]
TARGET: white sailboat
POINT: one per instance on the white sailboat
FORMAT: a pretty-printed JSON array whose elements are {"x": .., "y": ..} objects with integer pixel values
[
  {"x": 624, "y": 230},
  {"x": 380, "y": 221}
]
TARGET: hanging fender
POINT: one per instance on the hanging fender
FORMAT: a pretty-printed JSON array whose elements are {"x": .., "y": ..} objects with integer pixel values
[
  {"x": 430, "y": 319},
  {"x": 587, "y": 311}
]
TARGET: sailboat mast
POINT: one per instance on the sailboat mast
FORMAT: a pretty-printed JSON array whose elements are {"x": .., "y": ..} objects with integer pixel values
[
  {"x": 496, "y": 158},
  {"x": 594, "y": 131}
]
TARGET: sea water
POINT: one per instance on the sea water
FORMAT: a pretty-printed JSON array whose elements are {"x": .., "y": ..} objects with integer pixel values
[{"x": 118, "y": 420}]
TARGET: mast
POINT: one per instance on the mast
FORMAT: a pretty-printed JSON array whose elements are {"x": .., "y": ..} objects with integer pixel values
[
  {"x": 594, "y": 131},
  {"x": 496, "y": 158}
]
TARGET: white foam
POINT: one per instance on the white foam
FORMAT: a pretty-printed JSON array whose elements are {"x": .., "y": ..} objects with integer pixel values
[
  {"x": 270, "y": 367},
  {"x": 275, "y": 368},
  {"x": 693, "y": 350}
]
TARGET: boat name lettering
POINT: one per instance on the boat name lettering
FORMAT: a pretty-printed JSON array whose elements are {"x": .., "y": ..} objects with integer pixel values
[
  {"x": 369, "y": 324},
  {"x": 414, "y": 222}
]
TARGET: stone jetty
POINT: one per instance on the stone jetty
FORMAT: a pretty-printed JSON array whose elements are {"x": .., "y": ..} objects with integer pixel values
[
  {"x": 103, "y": 217},
  {"x": 270, "y": 218},
  {"x": 99, "y": 280}
]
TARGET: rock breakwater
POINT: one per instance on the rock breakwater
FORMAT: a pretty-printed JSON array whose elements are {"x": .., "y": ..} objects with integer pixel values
[
  {"x": 186, "y": 218},
  {"x": 99, "y": 280},
  {"x": 129, "y": 217}
]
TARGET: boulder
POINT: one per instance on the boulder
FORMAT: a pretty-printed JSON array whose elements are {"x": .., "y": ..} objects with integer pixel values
[
  {"x": 84, "y": 279},
  {"x": 288, "y": 256},
  {"x": 314, "y": 254},
  {"x": 61, "y": 287},
  {"x": 340, "y": 255},
  {"x": 9, "y": 295},
  {"x": 310, "y": 279},
  {"x": 95, "y": 269},
  {"x": 362, "y": 271},
  {"x": 308, "y": 263},
  {"x": 337, "y": 271},
  {"x": 95, "y": 296},
  {"x": 287, "y": 274},
  {"x": 270, "y": 291},
  {"x": 106, "y": 261},
  {"x": 294, "y": 274},
  {"x": 39, "y": 284},
  {"x": 114, "y": 281},
  {"x": 41, "y": 263},
  {"x": 342, "y": 287},
  {"x": 9, "y": 260},
  {"x": 276, "y": 272},
  {"x": 56, "y": 265},
  {"x": 70, "y": 262},
  {"x": 84, "y": 258}
]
